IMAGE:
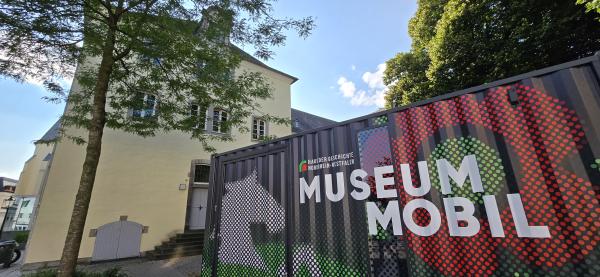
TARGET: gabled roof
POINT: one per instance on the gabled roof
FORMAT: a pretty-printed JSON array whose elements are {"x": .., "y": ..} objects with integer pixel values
[
  {"x": 251, "y": 59},
  {"x": 303, "y": 121},
  {"x": 51, "y": 134}
]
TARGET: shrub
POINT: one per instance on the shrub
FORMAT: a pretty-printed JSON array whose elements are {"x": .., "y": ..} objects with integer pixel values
[{"x": 21, "y": 237}]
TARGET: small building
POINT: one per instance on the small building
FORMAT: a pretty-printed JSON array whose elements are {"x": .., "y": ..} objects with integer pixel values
[{"x": 7, "y": 189}]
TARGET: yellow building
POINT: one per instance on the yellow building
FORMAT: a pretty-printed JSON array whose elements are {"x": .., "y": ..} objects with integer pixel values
[{"x": 147, "y": 190}]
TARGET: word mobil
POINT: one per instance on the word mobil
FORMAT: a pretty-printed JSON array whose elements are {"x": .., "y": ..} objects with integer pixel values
[{"x": 458, "y": 209}]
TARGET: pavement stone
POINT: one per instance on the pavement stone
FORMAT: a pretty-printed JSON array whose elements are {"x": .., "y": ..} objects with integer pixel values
[{"x": 178, "y": 267}]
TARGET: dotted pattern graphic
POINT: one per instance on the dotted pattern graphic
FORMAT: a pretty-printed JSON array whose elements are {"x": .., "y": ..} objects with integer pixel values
[
  {"x": 207, "y": 255},
  {"x": 380, "y": 120},
  {"x": 540, "y": 132},
  {"x": 374, "y": 148},
  {"x": 596, "y": 165},
  {"x": 387, "y": 253},
  {"x": 488, "y": 160},
  {"x": 246, "y": 202},
  {"x": 305, "y": 258}
]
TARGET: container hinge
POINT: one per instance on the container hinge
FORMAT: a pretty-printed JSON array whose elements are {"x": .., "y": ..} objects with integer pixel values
[{"x": 513, "y": 97}]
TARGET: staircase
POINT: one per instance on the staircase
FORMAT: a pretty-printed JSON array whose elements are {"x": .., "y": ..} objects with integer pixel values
[{"x": 189, "y": 243}]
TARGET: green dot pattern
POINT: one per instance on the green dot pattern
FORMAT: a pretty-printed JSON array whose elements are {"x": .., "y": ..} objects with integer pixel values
[
  {"x": 596, "y": 164},
  {"x": 488, "y": 160},
  {"x": 381, "y": 120},
  {"x": 274, "y": 255}
]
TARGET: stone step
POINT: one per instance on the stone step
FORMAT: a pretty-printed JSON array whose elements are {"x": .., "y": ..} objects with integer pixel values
[
  {"x": 186, "y": 243},
  {"x": 180, "y": 245},
  {"x": 176, "y": 255},
  {"x": 186, "y": 239}
]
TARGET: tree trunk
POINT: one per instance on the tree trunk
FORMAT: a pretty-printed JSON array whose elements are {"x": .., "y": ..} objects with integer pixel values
[{"x": 70, "y": 253}]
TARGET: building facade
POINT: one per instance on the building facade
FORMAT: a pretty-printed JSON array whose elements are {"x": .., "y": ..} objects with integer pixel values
[{"x": 146, "y": 190}]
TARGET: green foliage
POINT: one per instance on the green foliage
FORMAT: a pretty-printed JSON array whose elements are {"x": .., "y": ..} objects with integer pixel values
[
  {"x": 113, "y": 272},
  {"x": 590, "y": 5},
  {"x": 459, "y": 44},
  {"x": 21, "y": 237},
  {"x": 177, "y": 50}
]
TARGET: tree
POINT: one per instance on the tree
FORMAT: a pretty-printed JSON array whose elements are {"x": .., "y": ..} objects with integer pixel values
[
  {"x": 590, "y": 5},
  {"x": 121, "y": 50},
  {"x": 459, "y": 44}
]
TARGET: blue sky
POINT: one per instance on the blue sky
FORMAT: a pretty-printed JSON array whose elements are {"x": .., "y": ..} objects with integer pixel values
[{"x": 339, "y": 67}]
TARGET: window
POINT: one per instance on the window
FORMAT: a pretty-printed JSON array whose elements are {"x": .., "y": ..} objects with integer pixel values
[
  {"x": 259, "y": 128},
  {"x": 201, "y": 173},
  {"x": 219, "y": 118},
  {"x": 200, "y": 112},
  {"x": 25, "y": 203},
  {"x": 149, "y": 107}
]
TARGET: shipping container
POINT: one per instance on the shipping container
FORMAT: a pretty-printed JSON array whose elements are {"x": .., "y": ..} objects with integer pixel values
[{"x": 496, "y": 180}]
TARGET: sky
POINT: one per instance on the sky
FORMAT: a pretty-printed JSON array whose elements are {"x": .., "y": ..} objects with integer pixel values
[{"x": 339, "y": 66}]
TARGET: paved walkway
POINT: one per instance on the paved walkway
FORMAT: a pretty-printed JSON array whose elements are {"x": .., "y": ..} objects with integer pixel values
[{"x": 180, "y": 267}]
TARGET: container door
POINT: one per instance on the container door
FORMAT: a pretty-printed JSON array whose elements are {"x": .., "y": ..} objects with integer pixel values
[{"x": 252, "y": 228}]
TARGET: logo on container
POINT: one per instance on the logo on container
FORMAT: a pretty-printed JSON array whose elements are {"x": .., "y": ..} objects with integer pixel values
[{"x": 303, "y": 166}]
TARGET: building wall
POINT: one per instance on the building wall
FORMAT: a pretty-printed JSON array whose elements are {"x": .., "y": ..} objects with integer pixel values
[
  {"x": 34, "y": 171},
  {"x": 137, "y": 177}
]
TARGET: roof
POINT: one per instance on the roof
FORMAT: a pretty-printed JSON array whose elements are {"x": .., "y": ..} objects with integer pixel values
[
  {"x": 251, "y": 59},
  {"x": 303, "y": 121},
  {"x": 7, "y": 180},
  {"x": 51, "y": 134},
  {"x": 2, "y": 179}
]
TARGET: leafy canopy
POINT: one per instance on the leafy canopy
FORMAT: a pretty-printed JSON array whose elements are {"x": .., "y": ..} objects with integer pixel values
[
  {"x": 459, "y": 44},
  {"x": 178, "y": 51}
]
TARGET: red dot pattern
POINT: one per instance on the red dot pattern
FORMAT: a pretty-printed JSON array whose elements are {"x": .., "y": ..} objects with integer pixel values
[{"x": 542, "y": 132}]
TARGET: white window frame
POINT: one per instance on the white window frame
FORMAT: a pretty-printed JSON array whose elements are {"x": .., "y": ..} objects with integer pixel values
[
  {"x": 255, "y": 130},
  {"x": 144, "y": 113},
  {"x": 197, "y": 111},
  {"x": 215, "y": 125},
  {"x": 199, "y": 184}
]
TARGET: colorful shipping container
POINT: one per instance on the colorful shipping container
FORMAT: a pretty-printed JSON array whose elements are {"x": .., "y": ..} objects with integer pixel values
[{"x": 497, "y": 180}]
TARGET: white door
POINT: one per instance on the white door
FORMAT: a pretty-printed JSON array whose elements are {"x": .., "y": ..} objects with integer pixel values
[
  {"x": 198, "y": 208},
  {"x": 117, "y": 240}
]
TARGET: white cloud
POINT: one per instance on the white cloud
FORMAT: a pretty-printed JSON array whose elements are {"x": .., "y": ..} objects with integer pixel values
[
  {"x": 375, "y": 79},
  {"x": 353, "y": 67},
  {"x": 346, "y": 87},
  {"x": 373, "y": 95}
]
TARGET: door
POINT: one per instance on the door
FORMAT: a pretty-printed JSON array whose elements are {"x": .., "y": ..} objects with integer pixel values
[
  {"x": 117, "y": 240},
  {"x": 198, "y": 209}
]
